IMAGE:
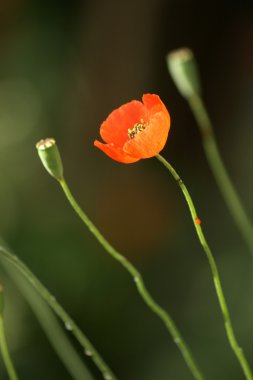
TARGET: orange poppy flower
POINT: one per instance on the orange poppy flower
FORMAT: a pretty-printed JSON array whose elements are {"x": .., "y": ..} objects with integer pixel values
[{"x": 135, "y": 130}]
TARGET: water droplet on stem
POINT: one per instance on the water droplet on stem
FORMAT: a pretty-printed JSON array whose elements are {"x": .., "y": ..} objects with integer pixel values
[
  {"x": 107, "y": 376},
  {"x": 68, "y": 326}
]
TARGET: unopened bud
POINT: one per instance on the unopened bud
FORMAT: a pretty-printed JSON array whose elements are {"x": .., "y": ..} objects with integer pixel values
[
  {"x": 184, "y": 72},
  {"x": 50, "y": 157}
]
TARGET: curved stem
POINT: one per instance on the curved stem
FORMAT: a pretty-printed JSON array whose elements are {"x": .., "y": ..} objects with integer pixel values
[
  {"x": 223, "y": 305},
  {"x": 5, "y": 352},
  {"x": 51, "y": 326},
  {"x": 62, "y": 314},
  {"x": 49, "y": 323},
  {"x": 219, "y": 171},
  {"x": 158, "y": 310}
]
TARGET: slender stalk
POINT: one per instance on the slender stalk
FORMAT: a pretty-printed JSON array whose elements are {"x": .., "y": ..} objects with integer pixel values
[
  {"x": 151, "y": 303},
  {"x": 223, "y": 305},
  {"x": 5, "y": 352},
  {"x": 49, "y": 323},
  {"x": 219, "y": 171},
  {"x": 62, "y": 314},
  {"x": 51, "y": 326}
]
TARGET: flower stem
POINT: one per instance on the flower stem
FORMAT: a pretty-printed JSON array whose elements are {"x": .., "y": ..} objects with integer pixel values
[
  {"x": 219, "y": 171},
  {"x": 62, "y": 314},
  {"x": 52, "y": 327},
  {"x": 223, "y": 305},
  {"x": 49, "y": 323},
  {"x": 151, "y": 303},
  {"x": 4, "y": 348}
]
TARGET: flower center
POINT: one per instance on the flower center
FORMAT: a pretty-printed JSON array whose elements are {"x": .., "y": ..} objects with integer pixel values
[{"x": 138, "y": 127}]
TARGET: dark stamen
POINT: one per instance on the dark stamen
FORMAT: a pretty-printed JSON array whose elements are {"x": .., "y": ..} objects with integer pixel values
[{"x": 138, "y": 127}]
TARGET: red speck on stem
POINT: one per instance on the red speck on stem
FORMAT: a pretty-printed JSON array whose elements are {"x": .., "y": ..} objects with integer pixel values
[
  {"x": 135, "y": 130},
  {"x": 198, "y": 221}
]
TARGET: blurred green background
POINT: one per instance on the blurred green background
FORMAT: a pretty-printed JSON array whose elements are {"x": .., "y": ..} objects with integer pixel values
[{"x": 64, "y": 66}]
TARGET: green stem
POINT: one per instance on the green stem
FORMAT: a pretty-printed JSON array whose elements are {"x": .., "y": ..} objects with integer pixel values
[
  {"x": 224, "y": 309},
  {"x": 49, "y": 323},
  {"x": 62, "y": 314},
  {"x": 158, "y": 310},
  {"x": 219, "y": 171},
  {"x": 51, "y": 326},
  {"x": 5, "y": 352}
]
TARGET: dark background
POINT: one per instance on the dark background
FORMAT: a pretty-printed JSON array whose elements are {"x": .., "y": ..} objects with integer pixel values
[{"x": 64, "y": 66}]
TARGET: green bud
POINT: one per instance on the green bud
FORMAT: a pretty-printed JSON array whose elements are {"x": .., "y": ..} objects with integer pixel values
[
  {"x": 50, "y": 157},
  {"x": 184, "y": 71},
  {"x": 1, "y": 299}
]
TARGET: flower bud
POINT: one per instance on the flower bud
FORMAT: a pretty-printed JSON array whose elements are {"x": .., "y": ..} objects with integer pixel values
[
  {"x": 50, "y": 157},
  {"x": 183, "y": 68}
]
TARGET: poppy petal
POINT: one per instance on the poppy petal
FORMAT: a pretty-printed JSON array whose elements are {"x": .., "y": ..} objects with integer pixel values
[
  {"x": 115, "y": 127},
  {"x": 154, "y": 104},
  {"x": 116, "y": 153},
  {"x": 152, "y": 139},
  {"x": 151, "y": 100}
]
